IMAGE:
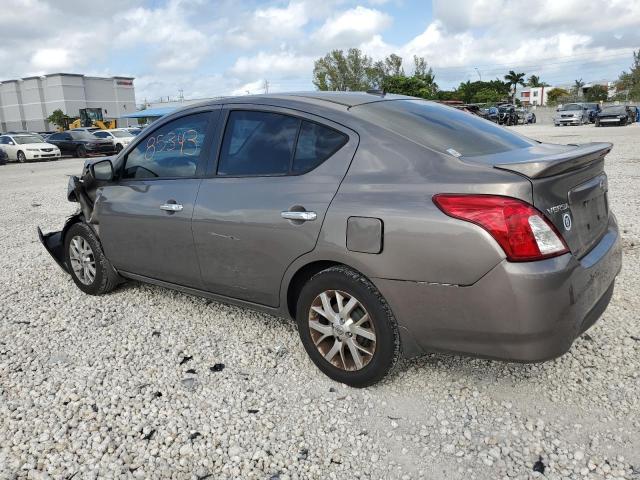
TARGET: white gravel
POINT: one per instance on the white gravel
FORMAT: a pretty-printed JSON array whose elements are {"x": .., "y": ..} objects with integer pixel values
[{"x": 126, "y": 385}]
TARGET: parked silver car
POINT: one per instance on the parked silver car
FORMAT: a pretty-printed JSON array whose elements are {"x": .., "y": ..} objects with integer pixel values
[
  {"x": 571, "y": 114},
  {"x": 382, "y": 224}
]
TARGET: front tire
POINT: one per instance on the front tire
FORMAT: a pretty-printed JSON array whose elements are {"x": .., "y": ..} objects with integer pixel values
[
  {"x": 347, "y": 327},
  {"x": 89, "y": 268},
  {"x": 21, "y": 157},
  {"x": 118, "y": 148},
  {"x": 81, "y": 152}
]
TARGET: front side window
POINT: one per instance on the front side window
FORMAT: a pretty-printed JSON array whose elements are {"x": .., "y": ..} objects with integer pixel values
[
  {"x": 171, "y": 151},
  {"x": 258, "y": 143}
]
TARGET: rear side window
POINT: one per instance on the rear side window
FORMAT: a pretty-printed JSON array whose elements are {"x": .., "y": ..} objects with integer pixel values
[
  {"x": 315, "y": 144},
  {"x": 258, "y": 143},
  {"x": 170, "y": 151},
  {"x": 442, "y": 128}
]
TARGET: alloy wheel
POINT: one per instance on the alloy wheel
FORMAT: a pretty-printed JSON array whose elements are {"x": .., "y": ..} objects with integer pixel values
[
  {"x": 342, "y": 330},
  {"x": 82, "y": 260}
]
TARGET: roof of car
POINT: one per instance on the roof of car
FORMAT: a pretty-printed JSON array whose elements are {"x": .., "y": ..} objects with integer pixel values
[{"x": 337, "y": 99}]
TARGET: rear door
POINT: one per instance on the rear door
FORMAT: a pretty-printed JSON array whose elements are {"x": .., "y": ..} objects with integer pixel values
[
  {"x": 145, "y": 217},
  {"x": 264, "y": 203}
]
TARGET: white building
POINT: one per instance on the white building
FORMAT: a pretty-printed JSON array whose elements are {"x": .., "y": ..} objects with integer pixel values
[
  {"x": 533, "y": 95},
  {"x": 26, "y": 103}
]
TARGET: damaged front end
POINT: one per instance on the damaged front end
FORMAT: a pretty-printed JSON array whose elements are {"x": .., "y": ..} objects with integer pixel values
[{"x": 80, "y": 190}]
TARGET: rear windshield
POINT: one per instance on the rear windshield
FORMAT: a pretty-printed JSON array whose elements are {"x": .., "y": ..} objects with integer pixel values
[{"x": 443, "y": 128}]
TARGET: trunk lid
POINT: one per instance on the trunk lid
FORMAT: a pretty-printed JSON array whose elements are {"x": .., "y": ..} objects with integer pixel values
[{"x": 569, "y": 187}]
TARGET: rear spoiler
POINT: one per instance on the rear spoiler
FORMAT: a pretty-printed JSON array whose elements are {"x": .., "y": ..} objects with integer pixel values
[{"x": 554, "y": 164}]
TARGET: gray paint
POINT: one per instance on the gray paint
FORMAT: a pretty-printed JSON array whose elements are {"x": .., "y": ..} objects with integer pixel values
[
  {"x": 447, "y": 281},
  {"x": 364, "y": 234}
]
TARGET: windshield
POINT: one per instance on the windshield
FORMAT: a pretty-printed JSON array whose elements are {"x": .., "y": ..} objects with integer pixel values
[
  {"x": 24, "y": 139},
  {"x": 571, "y": 107},
  {"x": 135, "y": 131},
  {"x": 79, "y": 135},
  {"x": 614, "y": 109},
  {"x": 442, "y": 128},
  {"x": 120, "y": 133}
]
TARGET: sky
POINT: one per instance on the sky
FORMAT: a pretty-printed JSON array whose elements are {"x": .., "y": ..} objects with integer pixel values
[{"x": 210, "y": 48}]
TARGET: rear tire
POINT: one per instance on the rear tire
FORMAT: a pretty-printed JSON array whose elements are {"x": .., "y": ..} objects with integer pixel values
[
  {"x": 89, "y": 268},
  {"x": 21, "y": 157},
  {"x": 364, "y": 339}
]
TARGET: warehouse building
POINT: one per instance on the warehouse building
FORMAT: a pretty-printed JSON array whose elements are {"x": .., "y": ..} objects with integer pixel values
[{"x": 26, "y": 103}]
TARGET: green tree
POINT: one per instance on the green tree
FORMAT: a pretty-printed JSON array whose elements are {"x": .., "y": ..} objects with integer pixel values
[
  {"x": 492, "y": 91},
  {"x": 597, "y": 93},
  {"x": 487, "y": 95},
  {"x": 413, "y": 86},
  {"x": 534, "y": 81},
  {"x": 339, "y": 72},
  {"x": 555, "y": 94},
  {"x": 514, "y": 79},
  {"x": 59, "y": 118},
  {"x": 628, "y": 84}
]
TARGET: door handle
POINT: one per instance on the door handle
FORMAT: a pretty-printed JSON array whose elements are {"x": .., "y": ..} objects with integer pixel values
[
  {"x": 299, "y": 216},
  {"x": 171, "y": 207}
]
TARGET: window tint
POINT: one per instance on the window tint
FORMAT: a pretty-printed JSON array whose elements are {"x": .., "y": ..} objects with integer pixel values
[
  {"x": 442, "y": 128},
  {"x": 258, "y": 143},
  {"x": 315, "y": 144},
  {"x": 101, "y": 134},
  {"x": 172, "y": 150},
  {"x": 4, "y": 140}
]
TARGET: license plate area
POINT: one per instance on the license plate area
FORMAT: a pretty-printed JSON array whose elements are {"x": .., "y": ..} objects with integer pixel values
[{"x": 590, "y": 211}]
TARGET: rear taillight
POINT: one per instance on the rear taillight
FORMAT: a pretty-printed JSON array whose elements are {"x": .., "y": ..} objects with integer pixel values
[{"x": 521, "y": 230}]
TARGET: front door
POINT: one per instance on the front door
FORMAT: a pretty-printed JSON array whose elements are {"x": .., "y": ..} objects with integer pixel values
[
  {"x": 275, "y": 177},
  {"x": 145, "y": 217}
]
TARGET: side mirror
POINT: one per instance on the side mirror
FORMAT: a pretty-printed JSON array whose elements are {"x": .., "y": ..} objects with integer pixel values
[
  {"x": 10, "y": 143},
  {"x": 102, "y": 171}
]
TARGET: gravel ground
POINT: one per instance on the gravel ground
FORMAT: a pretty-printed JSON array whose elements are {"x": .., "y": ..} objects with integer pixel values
[{"x": 150, "y": 383}]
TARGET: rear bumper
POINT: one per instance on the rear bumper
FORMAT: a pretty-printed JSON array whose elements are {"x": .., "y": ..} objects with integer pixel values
[{"x": 525, "y": 312}]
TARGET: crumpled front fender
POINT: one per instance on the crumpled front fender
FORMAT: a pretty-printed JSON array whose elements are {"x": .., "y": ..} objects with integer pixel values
[{"x": 53, "y": 242}]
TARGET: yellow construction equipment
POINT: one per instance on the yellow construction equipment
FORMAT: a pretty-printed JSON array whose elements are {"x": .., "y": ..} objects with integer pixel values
[{"x": 91, "y": 117}]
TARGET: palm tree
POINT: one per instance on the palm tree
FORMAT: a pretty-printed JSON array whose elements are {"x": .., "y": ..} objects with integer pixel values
[
  {"x": 577, "y": 86},
  {"x": 534, "y": 81},
  {"x": 513, "y": 80}
]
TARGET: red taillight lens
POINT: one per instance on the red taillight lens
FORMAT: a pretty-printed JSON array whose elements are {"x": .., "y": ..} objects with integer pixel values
[{"x": 521, "y": 230}]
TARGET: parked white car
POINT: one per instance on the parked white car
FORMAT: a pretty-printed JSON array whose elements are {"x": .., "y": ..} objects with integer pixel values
[
  {"x": 119, "y": 136},
  {"x": 23, "y": 147}
]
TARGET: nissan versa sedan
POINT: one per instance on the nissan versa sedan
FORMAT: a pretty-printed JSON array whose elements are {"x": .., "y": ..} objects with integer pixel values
[{"x": 383, "y": 224}]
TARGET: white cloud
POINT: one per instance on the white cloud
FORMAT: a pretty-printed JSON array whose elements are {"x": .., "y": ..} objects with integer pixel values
[
  {"x": 52, "y": 59},
  {"x": 352, "y": 26},
  {"x": 281, "y": 63}
]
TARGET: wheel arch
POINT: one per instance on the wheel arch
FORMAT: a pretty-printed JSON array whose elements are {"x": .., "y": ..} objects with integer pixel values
[{"x": 301, "y": 277}]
